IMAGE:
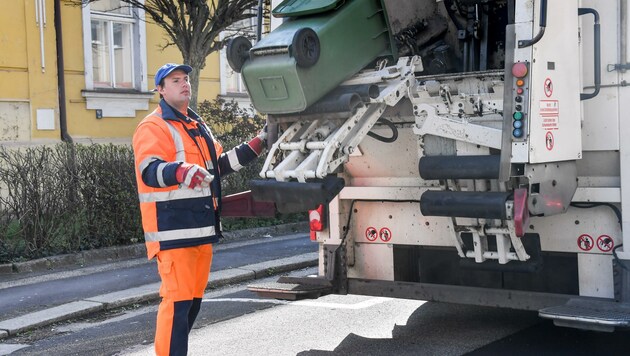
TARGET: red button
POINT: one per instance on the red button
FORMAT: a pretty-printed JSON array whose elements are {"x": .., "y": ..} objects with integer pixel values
[
  {"x": 519, "y": 91},
  {"x": 519, "y": 70}
]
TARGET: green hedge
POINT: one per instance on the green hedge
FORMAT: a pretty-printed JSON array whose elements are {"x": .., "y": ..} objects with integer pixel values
[
  {"x": 66, "y": 198},
  {"x": 72, "y": 197}
]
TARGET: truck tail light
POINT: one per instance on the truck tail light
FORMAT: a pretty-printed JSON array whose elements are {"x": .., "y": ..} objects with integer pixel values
[
  {"x": 521, "y": 212},
  {"x": 316, "y": 220}
]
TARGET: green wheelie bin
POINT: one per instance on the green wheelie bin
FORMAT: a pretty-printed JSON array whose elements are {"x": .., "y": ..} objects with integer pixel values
[{"x": 320, "y": 44}]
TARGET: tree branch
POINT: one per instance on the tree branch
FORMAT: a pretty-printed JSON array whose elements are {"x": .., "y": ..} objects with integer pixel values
[{"x": 193, "y": 25}]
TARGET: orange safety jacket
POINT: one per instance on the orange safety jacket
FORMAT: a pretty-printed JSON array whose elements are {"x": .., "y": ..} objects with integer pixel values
[{"x": 174, "y": 215}]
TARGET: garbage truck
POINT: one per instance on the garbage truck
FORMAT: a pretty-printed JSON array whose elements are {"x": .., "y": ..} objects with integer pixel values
[{"x": 462, "y": 151}]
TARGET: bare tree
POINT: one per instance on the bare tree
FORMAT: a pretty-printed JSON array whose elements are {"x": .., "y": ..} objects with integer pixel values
[{"x": 193, "y": 26}]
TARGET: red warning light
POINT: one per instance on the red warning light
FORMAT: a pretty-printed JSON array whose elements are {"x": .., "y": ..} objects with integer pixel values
[
  {"x": 521, "y": 212},
  {"x": 519, "y": 70},
  {"x": 316, "y": 220}
]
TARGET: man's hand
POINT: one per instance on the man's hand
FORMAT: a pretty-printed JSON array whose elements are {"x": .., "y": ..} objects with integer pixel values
[
  {"x": 260, "y": 141},
  {"x": 262, "y": 134},
  {"x": 193, "y": 176}
]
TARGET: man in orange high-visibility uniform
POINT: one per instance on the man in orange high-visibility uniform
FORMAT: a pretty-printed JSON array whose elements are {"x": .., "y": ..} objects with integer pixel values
[{"x": 179, "y": 166}]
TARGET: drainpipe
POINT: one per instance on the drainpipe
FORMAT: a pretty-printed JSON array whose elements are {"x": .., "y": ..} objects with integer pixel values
[
  {"x": 259, "y": 22},
  {"x": 61, "y": 82}
]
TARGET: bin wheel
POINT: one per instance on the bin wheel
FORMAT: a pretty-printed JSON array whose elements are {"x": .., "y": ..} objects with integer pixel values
[
  {"x": 237, "y": 52},
  {"x": 306, "y": 47}
]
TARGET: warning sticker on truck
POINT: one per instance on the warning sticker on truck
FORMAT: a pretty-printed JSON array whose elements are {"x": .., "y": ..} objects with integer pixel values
[
  {"x": 585, "y": 242},
  {"x": 385, "y": 234},
  {"x": 549, "y": 140},
  {"x": 548, "y": 87},
  {"x": 605, "y": 243},
  {"x": 371, "y": 234},
  {"x": 549, "y": 114}
]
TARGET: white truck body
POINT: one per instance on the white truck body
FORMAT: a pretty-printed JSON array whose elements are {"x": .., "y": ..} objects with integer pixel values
[{"x": 567, "y": 254}]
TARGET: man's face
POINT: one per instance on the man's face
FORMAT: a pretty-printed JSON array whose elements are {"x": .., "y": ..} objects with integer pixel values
[{"x": 176, "y": 89}]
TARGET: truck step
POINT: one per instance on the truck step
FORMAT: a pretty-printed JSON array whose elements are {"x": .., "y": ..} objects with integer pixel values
[
  {"x": 292, "y": 288},
  {"x": 589, "y": 314}
]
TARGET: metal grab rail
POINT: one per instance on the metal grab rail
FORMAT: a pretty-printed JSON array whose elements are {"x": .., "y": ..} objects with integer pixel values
[
  {"x": 542, "y": 24},
  {"x": 597, "y": 56}
]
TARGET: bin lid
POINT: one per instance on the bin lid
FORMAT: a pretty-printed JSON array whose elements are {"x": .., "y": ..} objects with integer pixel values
[{"x": 304, "y": 7}]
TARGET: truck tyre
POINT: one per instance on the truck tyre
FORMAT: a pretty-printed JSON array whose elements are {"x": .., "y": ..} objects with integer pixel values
[
  {"x": 305, "y": 47},
  {"x": 237, "y": 52}
]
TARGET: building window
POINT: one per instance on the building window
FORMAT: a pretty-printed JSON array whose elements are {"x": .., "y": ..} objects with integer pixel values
[
  {"x": 114, "y": 48},
  {"x": 231, "y": 82},
  {"x": 116, "y": 45},
  {"x": 111, "y": 54}
]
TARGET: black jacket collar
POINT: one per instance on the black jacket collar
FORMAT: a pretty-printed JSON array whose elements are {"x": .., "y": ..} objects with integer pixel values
[{"x": 170, "y": 113}]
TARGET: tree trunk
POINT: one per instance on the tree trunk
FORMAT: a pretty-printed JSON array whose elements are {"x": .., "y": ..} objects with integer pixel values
[
  {"x": 194, "y": 87},
  {"x": 197, "y": 61}
]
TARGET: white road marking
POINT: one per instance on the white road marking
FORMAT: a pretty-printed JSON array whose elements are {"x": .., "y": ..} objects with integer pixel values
[
  {"x": 246, "y": 300},
  {"x": 307, "y": 303},
  {"x": 361, "y": 305}
]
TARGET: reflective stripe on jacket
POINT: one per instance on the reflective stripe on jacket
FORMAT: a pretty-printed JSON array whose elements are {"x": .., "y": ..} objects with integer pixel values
[{"x": 176, "y": 216}]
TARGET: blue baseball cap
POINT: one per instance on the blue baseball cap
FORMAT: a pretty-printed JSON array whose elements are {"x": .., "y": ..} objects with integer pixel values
[{"x": 166, "y": 69}]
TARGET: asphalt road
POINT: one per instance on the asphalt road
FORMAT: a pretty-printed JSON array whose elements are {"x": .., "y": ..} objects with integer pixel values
[
  {"x": 360, "y": 325},
  {"x": 49, "y": 291},
  {"x": 234, "y": 321},
  {"x": 115, "y": 332}
]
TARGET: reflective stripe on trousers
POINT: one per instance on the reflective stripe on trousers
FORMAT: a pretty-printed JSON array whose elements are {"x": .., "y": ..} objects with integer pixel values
[{"x": 184, "y": 273}]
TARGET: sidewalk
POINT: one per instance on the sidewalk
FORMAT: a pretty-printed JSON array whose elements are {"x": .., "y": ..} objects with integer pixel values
[{"x": 60, "y": 288}]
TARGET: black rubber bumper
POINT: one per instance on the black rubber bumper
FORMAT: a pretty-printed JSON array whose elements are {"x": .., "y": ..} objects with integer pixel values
[
  {"x": 459, "y": 167},
  {"x": 291, "y": 197},
  {"x": 482, "y": 205}
]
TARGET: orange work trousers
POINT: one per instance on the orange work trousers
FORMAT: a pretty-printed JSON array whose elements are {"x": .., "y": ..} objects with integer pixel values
[{"x": 184, "y": 273}]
